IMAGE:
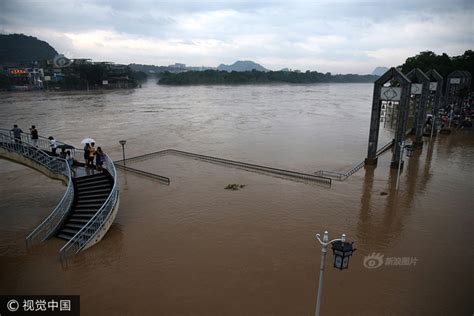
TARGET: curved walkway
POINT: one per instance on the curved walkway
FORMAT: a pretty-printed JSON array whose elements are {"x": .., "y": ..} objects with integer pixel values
[{"x": 90, "y": 203}]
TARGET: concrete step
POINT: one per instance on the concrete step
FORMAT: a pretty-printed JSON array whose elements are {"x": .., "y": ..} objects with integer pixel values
[
  {"x": 85, "y": 211},
  {"x": 88, "y": 205},
  {"x": 93, "y": 183},
  {"x": 69, "y": 231},
  {"x": 73, "y": 225},
  {"x": 64, "y": 236},
  {"x": 82, "y": 201},
  {"x": 91, "y": 177},
  {"x": 78, "y": 220},
  {"x": 105, "y": 186},
  {"x": 82, "y": 215},
  {"x": 93, "y": 191},
  {"x": 93, "y": 197}
]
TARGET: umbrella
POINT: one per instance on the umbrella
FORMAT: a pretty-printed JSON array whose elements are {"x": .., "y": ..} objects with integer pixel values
[
  {"x": 87, "y": 141},
  {"x": 65, "y": 146}
]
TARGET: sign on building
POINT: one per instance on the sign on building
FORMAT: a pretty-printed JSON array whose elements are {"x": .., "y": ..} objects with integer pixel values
[
  {"x": 455, "y": 81},
  {"x": 390, "y": 93},
  {"x": 416, "y": 88},
  {"x": 433, "y": 86}
]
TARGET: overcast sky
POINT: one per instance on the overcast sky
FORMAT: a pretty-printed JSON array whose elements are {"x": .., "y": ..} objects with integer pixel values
[{"x": 335, "y": 35}]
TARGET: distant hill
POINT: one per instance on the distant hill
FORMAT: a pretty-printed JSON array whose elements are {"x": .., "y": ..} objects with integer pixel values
[
  {"x": 242, "y": 65},
  {"x": 378, "y": 71},
  {"x": 21, "y": 48}
]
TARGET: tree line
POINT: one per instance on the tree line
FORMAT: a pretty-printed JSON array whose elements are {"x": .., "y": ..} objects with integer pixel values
[
  {"x": 442, "y": 63},
  {"x": 257, "y": 77}
]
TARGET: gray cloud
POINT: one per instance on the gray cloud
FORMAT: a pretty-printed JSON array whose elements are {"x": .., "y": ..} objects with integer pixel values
[{"x": 338, "y": 36}]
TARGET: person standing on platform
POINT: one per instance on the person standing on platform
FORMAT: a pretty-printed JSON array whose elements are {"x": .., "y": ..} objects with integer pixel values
[
  {"x": 34, "y": 136},
  {"x": 70, "y": 162},
  {"x": 99, "y": 158},
  {"x": 92, "y": 153},
  {"x": 53, "y": 144},
  {"x": 17, "y": 133},
  {"x": 86, "y": 154}
]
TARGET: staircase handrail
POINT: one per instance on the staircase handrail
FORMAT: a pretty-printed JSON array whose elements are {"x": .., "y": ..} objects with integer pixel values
[
  {"x": 43, "y": 142},
  {"x": 53, "y": 164},
  {"x": 341, "y": 176},
  {"x": 93, "y": 226}
]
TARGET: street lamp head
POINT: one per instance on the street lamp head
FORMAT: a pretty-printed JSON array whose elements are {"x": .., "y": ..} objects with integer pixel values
[
  {"x": 342, "y": 251},
  {"x": 122, "y": 142}
]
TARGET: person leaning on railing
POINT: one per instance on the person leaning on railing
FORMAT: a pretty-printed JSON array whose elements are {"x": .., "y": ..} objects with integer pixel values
[{"x": 53, "y": 144}]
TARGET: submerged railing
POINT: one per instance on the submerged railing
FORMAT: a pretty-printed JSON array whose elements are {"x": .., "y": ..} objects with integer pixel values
[
  {"x": 95, "y": 224},
  {"x": 343, "y": 176},
  {"x": 53, "y": 164},
  {"x": 239, "y": 164},
  {"x": 144, "y": 173}
]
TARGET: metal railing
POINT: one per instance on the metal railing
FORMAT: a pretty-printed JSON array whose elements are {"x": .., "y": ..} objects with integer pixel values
[
  {"x": 341, "y": 176},
  {"x": 243, "y": 165},
  {"x": 56, "y": 165},
  {"x": 95, "y": 224},
  {"x": 144, "y": 173},
  {"x": 43, "y": 143}
]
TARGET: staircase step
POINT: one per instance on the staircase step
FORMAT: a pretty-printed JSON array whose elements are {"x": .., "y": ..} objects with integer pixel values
[
  {"x": 64, "y": 236},
  {"x": 91, "y": 177},
  {"x": 73, "y": 225},
  {"x": 93, "y": 191},
  {"x": 70, "y": 231},
  {"x": 93, "y": 188},
  {"x": 92, "y": 183},
  {"x": 81, "y": 215},
  {"x": 99, "y": 196},
  {"x": 78, "y": 220},
  {"x": 85, "y": 210},
  {"x": 87, "y": 199},
  {"x": 88, "y": 204}
]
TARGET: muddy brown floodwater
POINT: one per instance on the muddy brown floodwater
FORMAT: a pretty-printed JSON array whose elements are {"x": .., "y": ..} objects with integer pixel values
[{"x": 194, "y": 248}]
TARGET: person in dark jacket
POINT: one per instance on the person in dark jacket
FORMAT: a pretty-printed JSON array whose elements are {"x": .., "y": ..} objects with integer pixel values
[
  {"x": 86, "y": 154},
  {"x": 17, "y": 133},
  {"x": 99, "y": 158},
  {"x": 34, "y": 135}
]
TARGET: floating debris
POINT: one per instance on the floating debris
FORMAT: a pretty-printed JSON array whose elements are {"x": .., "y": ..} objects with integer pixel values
[{"x": 234, "y": 186}]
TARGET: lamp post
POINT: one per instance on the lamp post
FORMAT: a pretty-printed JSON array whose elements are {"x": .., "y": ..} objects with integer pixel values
[
  {"x": 122, "y": 142},
  {"x": 342, "y": 251},
  {"x": 410, "y": 150}
]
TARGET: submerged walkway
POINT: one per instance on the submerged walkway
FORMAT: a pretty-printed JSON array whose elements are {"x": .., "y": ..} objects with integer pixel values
[{"x": 288, "y": 174}]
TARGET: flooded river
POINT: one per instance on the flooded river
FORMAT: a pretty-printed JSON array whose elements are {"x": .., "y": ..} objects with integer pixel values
[{"x": 193, "y": 248}]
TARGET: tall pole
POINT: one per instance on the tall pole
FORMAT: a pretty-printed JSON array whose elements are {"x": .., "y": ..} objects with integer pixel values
[
  {"x": 123, "y": 153},
  {"x": 122, "y": 142},
  {"x": 433, "y": 121},
  {"x": 324, "y": 250},
  {"x": 402, "y": 145}
]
